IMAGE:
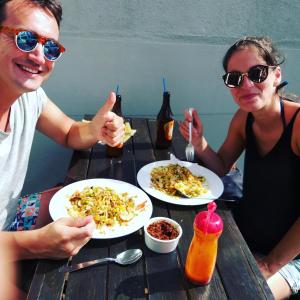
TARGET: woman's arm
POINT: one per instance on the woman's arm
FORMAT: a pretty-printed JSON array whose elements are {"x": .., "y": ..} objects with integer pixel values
[
  {"x": 286, "y": 250},
  {"x": 222, "y": 161}
]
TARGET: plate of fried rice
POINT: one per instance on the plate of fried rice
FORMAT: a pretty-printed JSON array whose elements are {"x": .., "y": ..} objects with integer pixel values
[
  {"x": 118, "y": 208},
  {"x": 180, "y": 182}
]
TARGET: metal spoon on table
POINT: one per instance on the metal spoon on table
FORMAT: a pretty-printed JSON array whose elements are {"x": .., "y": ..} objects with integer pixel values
[{"x": 124, "y": 258}]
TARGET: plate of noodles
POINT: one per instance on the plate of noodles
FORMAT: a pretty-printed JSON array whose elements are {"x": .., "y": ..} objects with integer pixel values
[
  {"x": 180, "y": 182},
  {"x": 118, "y": 208}
]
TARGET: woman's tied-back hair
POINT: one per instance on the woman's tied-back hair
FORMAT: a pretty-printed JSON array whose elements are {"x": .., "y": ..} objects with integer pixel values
[
  {"x": 53, "y": 6},
  {"x": 264, "y": 45}
]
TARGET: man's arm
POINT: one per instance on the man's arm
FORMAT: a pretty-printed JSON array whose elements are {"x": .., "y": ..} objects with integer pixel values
[
  {"x": 59, "y": 239},
  {"x": 105, "y": 126}
]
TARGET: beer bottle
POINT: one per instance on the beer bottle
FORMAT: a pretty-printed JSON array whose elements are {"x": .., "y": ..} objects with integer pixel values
[
  {"x": 117, "y": 150},
  {"x": 164, "y": 124}
]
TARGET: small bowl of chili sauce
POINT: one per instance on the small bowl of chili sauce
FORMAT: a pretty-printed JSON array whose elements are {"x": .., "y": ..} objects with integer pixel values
[{"x": 162, "y": 234}]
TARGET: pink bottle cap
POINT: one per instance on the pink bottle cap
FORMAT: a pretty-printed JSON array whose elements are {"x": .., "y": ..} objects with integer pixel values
[{"x": 208, "y": 221}]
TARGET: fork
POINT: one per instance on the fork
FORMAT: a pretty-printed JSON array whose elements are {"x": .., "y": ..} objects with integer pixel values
[{"x": 189, "y": 149}]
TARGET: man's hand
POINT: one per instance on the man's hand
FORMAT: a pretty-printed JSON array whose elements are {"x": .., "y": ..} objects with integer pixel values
[
  {"x": 106, "y": 125},
  {"x": 64, "y": 237}
]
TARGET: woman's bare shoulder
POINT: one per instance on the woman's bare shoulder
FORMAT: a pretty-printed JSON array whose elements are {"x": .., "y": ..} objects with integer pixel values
[
  {"x": 291, "y": 104},
  {"x": 290, "y": 109},
  {"x": 238, "y": 123},
  {"x": 239, "y": 118}
]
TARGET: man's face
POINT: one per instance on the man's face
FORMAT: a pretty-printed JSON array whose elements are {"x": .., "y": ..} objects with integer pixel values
[{"x": 25, "y": 71}]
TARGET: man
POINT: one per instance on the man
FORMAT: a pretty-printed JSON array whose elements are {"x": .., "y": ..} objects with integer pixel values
[{"x": 29, "y": 32}]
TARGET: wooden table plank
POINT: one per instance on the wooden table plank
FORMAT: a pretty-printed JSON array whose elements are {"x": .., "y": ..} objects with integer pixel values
[
  {"x": 100, "y": 166},
  {"x": 78, "y": 287},
  {"x": 185, "y": 217},
  {"x": 47, "y": 283},
  {"x": 237, "y": 265},
  {"x": 78, "y": 167},
  {"x": 89, "y": 283},
  {"x": 143, "y": 151},
  {"x": 129, "y": 283},
  {"x": 143, "y": 155},
  {"x": 161, "y": 266}
]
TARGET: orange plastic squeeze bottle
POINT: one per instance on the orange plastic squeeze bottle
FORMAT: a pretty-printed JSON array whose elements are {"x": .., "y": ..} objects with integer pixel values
[{"x": 202, "y": 254}]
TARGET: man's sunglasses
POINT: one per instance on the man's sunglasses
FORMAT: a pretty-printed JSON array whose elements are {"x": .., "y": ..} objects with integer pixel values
[
  {"x": 258, "y": 74},
  {"x": 27, "y": 41}
]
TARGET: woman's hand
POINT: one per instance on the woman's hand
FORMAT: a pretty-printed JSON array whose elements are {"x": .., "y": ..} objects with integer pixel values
[{"x": 197, "y": 129}]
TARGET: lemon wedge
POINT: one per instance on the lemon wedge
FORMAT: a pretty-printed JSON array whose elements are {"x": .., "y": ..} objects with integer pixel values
[{"x": 129, "y": 132}]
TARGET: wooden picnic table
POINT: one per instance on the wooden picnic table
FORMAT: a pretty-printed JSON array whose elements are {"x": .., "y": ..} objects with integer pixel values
[{"x": 155, "y": 276}]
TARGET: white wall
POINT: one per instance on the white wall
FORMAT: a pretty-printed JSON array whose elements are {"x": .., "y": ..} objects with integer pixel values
[{"x": 135, "y": 43}]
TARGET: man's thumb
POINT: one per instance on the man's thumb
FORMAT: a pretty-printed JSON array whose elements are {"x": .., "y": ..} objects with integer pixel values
[
  {"x": 77, "y": 222},
  {"x": 109, "y": 103}
]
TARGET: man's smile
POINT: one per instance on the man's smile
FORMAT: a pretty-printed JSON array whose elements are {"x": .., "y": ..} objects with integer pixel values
[{"x": 30, "y": 70}]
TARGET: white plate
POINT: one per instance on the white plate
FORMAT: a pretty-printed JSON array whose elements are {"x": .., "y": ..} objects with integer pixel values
[
  {"x": 60, "y": 202},
  {"x": 213, "y": 183}
]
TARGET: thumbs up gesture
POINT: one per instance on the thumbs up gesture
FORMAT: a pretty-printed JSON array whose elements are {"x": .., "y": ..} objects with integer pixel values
[{"x": 106, "y": 125}]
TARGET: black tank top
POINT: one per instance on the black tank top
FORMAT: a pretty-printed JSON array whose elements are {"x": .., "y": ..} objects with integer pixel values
[{"x": 271, "y": 190}]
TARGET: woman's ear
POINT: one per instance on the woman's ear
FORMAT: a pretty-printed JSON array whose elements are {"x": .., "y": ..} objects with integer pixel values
[{"x": 277, "y": 73}]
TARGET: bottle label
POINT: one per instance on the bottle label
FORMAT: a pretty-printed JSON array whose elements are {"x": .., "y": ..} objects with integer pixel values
[{"x": 168, "y": 128}]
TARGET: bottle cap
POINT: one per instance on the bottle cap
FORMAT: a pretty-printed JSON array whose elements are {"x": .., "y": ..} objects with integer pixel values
[{"x": 208, "y": 221}]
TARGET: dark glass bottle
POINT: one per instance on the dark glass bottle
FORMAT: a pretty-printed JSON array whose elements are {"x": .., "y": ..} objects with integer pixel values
[
  {"x": 118, "y": 150},
  {"x": 164, "y": 124}
]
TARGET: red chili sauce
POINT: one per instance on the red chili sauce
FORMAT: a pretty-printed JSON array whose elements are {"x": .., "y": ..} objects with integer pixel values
[{"x": 162, "y": 230}]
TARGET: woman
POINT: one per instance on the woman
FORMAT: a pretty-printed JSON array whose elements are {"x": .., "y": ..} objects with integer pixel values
[{"x": 267, "y": 127}]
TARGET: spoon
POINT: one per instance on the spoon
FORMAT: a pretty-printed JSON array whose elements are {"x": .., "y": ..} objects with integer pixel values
[{"x": 124, "y": 258}]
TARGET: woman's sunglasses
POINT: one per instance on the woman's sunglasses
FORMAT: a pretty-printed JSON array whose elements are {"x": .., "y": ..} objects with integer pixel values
[
  {"x": 27, "y": 41},
  {"x": 258, "y": 74}
]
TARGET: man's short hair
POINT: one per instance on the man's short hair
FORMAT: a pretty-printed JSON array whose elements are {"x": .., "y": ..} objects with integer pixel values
[{"x": 53, "y": 6}]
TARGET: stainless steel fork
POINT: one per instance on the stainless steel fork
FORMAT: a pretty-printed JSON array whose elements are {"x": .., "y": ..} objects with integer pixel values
[{"x": 189, "y": 149}]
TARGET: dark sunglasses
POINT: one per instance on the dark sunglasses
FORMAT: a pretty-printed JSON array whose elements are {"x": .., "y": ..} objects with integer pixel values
[
  {"x": 258, "y": 74},
  {"x": 27, "y": 41}
]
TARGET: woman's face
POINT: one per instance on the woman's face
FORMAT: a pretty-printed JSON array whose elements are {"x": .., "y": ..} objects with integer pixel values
[{"x": 251, "y": 96}]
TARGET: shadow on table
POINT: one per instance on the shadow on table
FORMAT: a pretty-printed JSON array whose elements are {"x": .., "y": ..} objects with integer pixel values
[
  {"x": 159, "y": 283},
  {"x": 25, "y": 271}
]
